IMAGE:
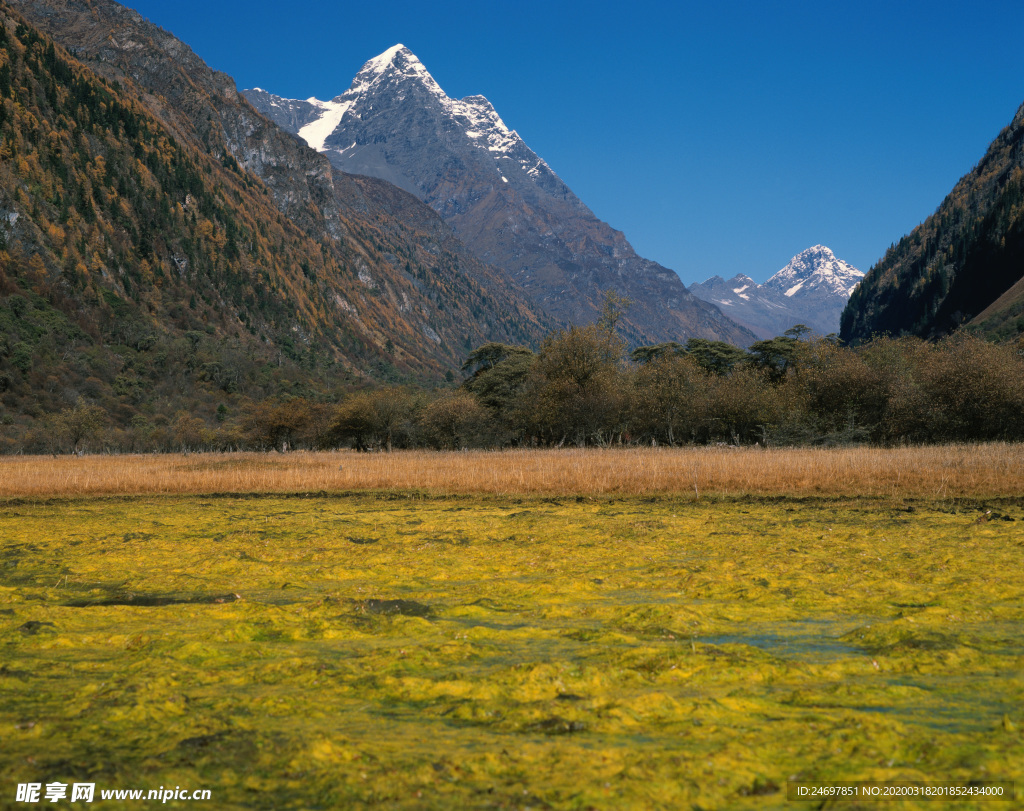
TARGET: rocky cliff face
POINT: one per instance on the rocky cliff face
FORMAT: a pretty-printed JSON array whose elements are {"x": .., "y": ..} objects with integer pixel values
[
  {"x": 812, "y": 290},
  {"x": 289, "y": 115},
  {"x": 503, "y": 200},
  {"x": 407, "y": 290}
]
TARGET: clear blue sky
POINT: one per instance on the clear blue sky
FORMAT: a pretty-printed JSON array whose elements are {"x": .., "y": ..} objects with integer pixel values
[{"x": 721, "y": 137}]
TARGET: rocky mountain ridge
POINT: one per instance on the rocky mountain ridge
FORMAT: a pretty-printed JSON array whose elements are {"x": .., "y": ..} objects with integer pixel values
[{"x": 504, "y": 201}]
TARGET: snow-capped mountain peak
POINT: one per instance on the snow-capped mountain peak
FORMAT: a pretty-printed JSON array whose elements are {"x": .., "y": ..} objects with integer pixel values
[
  {"x": 501, "y": 198},
  {"x": 340, "y": 127},
  {"x": 476, "y": 114},
  {"x": 812, "y": 290},
  {"x": 816, "y": 267},
  {"x": 382, "y": 62},
  {"x": 396, "y": 62}
]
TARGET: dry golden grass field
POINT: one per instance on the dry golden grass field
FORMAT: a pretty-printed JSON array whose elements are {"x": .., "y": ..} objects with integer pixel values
[{"x": 941, "y": 472}]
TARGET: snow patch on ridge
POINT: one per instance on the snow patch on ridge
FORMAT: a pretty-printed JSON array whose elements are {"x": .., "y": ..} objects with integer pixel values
[
  {"x": 317, "y": 131},
  {"x": 482, "y": 124},
  {"x": 481, "y": 121}
]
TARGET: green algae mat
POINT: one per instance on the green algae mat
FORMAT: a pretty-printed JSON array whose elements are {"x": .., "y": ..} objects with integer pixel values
[{"x": 401, "y": 651}]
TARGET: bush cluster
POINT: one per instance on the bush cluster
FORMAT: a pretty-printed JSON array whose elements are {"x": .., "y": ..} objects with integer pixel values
[{"x": 582, "y": 387}]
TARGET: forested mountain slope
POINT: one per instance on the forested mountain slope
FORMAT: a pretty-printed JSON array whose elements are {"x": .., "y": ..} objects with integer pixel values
[
  {"x": 145, "y": 269},
  {"x": 960, "y": 266},
  {"x": 346, "y": 275}
]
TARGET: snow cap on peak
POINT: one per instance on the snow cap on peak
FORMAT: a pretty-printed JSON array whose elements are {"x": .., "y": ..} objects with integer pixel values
[
  {"x": 380, "y": 62},
  {"x": 397, "y": 58},
  {"x": 396, "y": 62},
  {"x": 814, "y": 267}
]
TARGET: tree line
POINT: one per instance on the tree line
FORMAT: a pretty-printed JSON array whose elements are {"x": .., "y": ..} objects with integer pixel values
[{"x": 582, "y": 387}]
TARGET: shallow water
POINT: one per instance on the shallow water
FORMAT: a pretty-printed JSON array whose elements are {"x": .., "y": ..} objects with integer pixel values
[{"x": 808, "y": 640}]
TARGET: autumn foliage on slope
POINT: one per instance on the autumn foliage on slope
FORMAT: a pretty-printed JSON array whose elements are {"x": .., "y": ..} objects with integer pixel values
[{"x": 144, "y": 270}]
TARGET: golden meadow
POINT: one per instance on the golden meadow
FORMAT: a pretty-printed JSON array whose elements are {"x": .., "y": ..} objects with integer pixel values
[
  {"x": 943, "y": 471},
  {"x": 622, "y": 628}
]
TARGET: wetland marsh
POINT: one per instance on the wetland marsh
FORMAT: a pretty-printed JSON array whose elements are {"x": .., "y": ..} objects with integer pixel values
[{"x": 426, "y": 650}]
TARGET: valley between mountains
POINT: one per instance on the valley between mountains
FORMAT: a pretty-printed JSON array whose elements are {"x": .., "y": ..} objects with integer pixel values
[{"x": 187, "y": 265}]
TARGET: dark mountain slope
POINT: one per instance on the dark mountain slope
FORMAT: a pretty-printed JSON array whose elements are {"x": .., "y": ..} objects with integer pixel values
[{"x": 957, "y": 263}]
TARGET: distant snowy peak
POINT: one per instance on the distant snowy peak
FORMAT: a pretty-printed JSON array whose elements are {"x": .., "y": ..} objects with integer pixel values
[
  {"x": 811, "y": 290},
  {"x": 813, "y": 269},
  {"x": 397, "y": 63},
  {"x": 399, "y": 59},
  {"x": 741, "y": 282},
  {"x": 398, "y": 73}
]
